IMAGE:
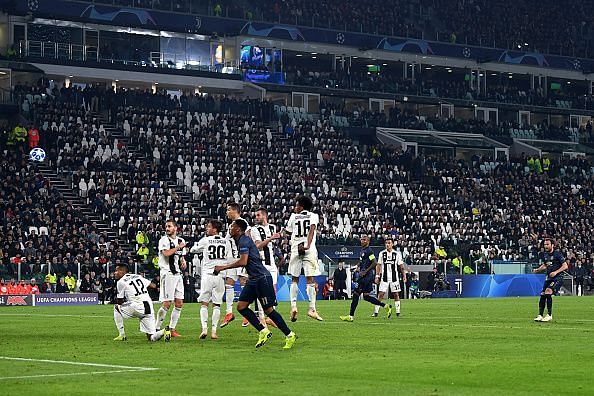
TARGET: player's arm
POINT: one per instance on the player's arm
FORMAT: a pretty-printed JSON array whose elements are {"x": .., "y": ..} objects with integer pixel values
[
  {"x": 372, "y": 265},
  {"x": 310, "y": 235},
  {"x": 242, "y": 262},
  {"x": 173, "y": 250},
  {"x": 564, "y": 267},
  {"x": 378, "y": 269},
  {"x": 540, "y": 269},
  {"x": 120, "y": 296},
  {"x": 404, "y": 272},
  {"x": 261, "y": 244}
]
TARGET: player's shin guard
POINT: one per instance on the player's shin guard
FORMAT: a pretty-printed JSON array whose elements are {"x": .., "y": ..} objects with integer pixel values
[
  {"x": 550, "y": 304},
  {"x": 279, "y": 322},
  {"x": 373, "y": 300},
  {"x": 175, "y": 317},
  {"x": 157, "y": 336},
  {"x": 397, "y": 305},
  {"x": 541, "y": 304},
  {"x": 354, "y": 303},
  {"x": 204, "y": 317},
  {"x": 161, "y": 313},
  {"x": 229, "y": 296},
  {"x": 294, "y": 291},
  {"x": 119, "y": 320},
  {"x": 252, "y": 318},
  {"x": 311, "y": 294},
  {"x": 216, "y": 316}
]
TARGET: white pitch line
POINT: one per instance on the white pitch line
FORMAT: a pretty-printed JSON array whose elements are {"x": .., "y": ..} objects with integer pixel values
[
  {"x": 116, "y": 366},
  {"x": 502, "y": 326},
  {"x": 55, "y": 315},
  {"x": 68, "y": 374}
]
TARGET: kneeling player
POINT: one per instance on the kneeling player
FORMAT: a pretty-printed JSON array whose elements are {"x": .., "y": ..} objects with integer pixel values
[
  {"x": 215, "y": 250},
  {"x": 365, "y": 283},
  {"x": 258, "y": 286},
  {"x": 133, "y": 301}
]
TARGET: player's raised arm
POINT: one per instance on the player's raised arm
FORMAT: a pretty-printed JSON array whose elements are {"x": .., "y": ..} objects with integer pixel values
[{"x": 173, "y": 250}]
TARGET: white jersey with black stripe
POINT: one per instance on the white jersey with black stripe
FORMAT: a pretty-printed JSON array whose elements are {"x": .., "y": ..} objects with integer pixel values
[{"x": 260, "y": 233}]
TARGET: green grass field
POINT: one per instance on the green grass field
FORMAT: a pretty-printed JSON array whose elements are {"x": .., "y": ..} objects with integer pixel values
[{"x": 437, "y": 347}]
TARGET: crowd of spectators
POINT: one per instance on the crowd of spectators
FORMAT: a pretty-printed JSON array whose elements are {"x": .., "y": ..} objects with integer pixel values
[
  {"x": 424, "y": 202},
  {"x": 441, "y": 86}
]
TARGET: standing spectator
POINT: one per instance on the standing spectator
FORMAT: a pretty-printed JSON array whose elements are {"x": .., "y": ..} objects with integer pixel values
[
  {"x": 340, "y": 286},
  {"x": 61, "y": 287},
  {"x": 433, "y": 276},
  {"x": 154, "y": 292},
  {"x": 189, "y": 289},
  {"x": 579, "y": 273},
  {"x": 98, "y": 288},
  {"x": 70, "y": 281},
  {"x": 86, "y": 284}
]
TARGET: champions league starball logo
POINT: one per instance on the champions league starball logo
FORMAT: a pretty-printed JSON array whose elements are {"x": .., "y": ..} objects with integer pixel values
[
  {"x": 577, "y": 65},
  {"x": 340, "y": 38},
  {"x": 33, "y": 5},
  {"x": 466, "y": 52}
]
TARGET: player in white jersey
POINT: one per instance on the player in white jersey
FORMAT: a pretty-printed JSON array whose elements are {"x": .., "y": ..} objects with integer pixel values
[
  {"x": 133, "y": 301},
  {"x": 215, "y": 250},
  {"x": 232, "y": 275},
  {"x": 264, "y": 235},
  {"x": 390, "y": 262},
  {"x": 302, "y": 226},
  {"x": 171, "y": 265}
]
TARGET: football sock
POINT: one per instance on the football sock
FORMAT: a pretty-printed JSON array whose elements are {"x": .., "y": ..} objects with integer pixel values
[
  {"x": 354, "y": 303},
  {"x": 279, "y": 322},
  {"x": 550, "y": 304},
  {"x": 376, "y": 309},
  {"x": 252, "y": 318},
  {"x": 229, "y": 296},
  {"x": 158, "y": 335},
  {"x": 294, "y": 290},
  {"x": 541, "y": 304},
  {"x": 259, "y": 309},
  {"x": 373, "y": 300},
  {"x": 119, "y": 321},
  {"x": 161, "y": 316},
  {"x": 397, "y": 305},
  {"x": 216, "y": 316},
  {"x": 204, "y": 317},
  {"x": 311, "y": 294},
  {"x": 175, "y": 317}
]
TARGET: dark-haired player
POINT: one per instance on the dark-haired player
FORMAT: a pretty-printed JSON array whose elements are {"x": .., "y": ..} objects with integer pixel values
[
  {"x": 133, "y": 301},
  {"x": 367, "y": 265},
  {"x": 171, "y": 265},
  {"x": 258, "y": 286},
  {"x": 554, "y": 263},
  {"x": 302, "y": 226}
]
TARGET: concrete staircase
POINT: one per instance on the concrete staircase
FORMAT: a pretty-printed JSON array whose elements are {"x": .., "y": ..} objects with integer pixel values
[{"x": 64, "y": 186}]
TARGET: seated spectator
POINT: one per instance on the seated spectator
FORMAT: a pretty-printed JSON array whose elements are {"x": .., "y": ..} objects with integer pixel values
[
  {"x": 62, "y": 287},
  {"x": 86, "y": 284}
]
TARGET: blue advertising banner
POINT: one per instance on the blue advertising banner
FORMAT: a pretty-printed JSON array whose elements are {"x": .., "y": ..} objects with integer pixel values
[
  {"x": 150, "y": 19},
  {"x": 497, "y": 285},
  {"x": 335, "y": 252},
  {"x": 66, "y": 299}
]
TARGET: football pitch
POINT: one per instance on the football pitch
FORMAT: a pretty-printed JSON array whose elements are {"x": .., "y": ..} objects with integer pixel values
[{"x": 437, "y": 347}]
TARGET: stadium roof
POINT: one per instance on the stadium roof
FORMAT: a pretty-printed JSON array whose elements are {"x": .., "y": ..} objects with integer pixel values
[{"x": 436, "y": 138}]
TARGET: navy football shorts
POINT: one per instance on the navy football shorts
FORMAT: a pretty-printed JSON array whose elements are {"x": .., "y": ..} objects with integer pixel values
[
  {"x": 553, "y": 284},
  {"x": 261, "y": 289}
]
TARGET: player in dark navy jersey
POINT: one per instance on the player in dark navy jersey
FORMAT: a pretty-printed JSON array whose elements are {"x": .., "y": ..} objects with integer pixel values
[
  {"x": 258, "y": 286},
  {"x": 554, "y": 263},
  {"x": 367, "y": 267}
]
